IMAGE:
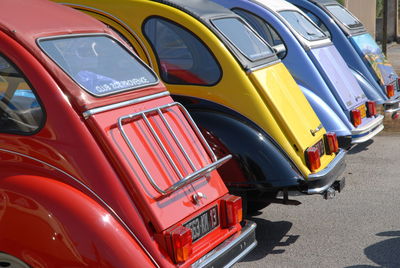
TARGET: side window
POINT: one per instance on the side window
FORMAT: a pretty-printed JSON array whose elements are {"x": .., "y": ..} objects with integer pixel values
[
  {"x": 182, "y": 57},
  {"x": 20, "y": 111},
  {"x": 317, "y": 21}
]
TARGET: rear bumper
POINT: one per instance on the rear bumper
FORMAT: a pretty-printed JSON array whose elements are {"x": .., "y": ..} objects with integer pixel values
[
  {"x": 319, "y": 183},
  {"x": 364, "y": 133},
  {"x": 392, "y": 106},
  {"x": 231, "y": 250}
]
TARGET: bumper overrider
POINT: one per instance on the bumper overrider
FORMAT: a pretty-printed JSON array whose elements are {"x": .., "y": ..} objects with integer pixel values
[
  {"x": 364, "y": 133},
  {"x": 328, "y": 178},
  {"x": 231, "y": 250}
]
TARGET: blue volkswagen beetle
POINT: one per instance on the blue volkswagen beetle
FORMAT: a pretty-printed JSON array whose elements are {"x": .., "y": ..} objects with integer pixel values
[
  {"x": 357, "y": 47},
  {"x": 327, "y": 82}
]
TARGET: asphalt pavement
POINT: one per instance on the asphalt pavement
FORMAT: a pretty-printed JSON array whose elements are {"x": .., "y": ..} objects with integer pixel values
[{"x": 359, "y": 228}]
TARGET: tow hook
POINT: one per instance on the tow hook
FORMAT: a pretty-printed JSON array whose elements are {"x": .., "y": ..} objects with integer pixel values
[
  {"x": 336, "y": 186},
  {"x": 395, "y": 115}
]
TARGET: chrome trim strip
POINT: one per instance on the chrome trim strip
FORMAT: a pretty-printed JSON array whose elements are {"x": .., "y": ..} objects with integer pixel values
[
  {"x": 120, "y": 22},
  {"x": 391, "y": 102},
  {"x": 93, "y": 111},
  {"x": 92, "y": 192},
  {"x": 227, "y": 245},
  {"x": 248, "y": 71},
  {"x": 339, "y": 157},
  {"x": 368, "y": 127},
  {"x": 392, "y": 110}
]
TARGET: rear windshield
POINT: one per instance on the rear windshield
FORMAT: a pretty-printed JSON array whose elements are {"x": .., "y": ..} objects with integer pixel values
[
  {"x": 98, "y": 63},
  {"x": 243, "y": 38},
  {"x": 344, "y": 16},
  {"x": 303, "y": 25}
]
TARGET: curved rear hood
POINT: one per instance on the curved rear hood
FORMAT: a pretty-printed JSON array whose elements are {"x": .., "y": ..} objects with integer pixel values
[
  {"x": 368, "y": 49},
  {"x": 288, "y": 105},
  {"x": 338, "y": 76}
]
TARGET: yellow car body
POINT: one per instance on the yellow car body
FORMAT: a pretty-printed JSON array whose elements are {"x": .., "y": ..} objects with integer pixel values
[{"x": 266, "y": 95}]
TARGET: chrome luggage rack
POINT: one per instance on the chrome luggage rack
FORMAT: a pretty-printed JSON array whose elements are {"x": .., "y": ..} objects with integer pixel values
[{"x": 197, "y": 173}]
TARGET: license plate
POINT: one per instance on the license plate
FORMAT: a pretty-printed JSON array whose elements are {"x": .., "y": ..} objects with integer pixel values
[
  {"x": 321, "y": 147},
  {"x": 204, "y": 223},
  {"x": 363, "y": 110}
]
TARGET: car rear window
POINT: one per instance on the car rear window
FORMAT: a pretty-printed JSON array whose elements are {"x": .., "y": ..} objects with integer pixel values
[
  {"x": 303, "y": 25},
  {"x": 243, "y": 38},
  {"x": 98, "y": 63},
  {"x": 344, "y": 16}
]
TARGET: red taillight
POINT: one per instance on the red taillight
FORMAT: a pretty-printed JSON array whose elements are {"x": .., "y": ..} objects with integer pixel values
[
  {"x": 181, "y": 242},
  {"x": 371, "y": 108},
  {"x": 231, "y": 210},
  {"x": 390, "y": 90},
  {"x": 356, "y": 117},
  {"x": 313, "y": 158},
  {"x": 332, "y": 144}
]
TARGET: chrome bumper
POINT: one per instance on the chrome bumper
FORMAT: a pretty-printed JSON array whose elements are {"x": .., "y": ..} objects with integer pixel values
[
  {"x": 318, "y": 183},
  {"x": 231, "y": 250},
  {"x": 362, "y": 134},
  {"x": 391, "y": 106}
]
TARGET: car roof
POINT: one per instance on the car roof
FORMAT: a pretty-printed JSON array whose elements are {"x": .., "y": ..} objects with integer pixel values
[
  {"x": 325, "y": 2},
  {"x": 27, "y": 20},
  {"x": 277, "y": 5},
  {"x": 30, "y": 19}
]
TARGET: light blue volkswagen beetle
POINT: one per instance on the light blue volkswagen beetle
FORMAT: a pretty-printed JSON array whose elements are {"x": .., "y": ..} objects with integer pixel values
[
  {"x": 327, "y": 82},
  {"x": 357, "y": 47}
]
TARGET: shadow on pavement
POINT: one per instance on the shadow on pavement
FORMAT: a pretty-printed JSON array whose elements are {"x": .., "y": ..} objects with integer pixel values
[
  {"x": 385, "y": 253},
  {"x": 272, "y": 238},
  {"x": 361, "y": 147}
]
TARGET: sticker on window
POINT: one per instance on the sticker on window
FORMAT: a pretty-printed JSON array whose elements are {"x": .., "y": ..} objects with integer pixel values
[{"x": 98, "y": 64}]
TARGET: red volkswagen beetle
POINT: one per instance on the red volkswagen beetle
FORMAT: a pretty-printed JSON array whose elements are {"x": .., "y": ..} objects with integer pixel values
[{"x": 98, "y": 166}]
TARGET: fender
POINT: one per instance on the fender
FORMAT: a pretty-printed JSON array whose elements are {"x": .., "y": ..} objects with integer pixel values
[
  {"x": 328, "y": 117},
  {"x": 258, "y": 161},
  {"x": 371, "y": 92},
  {"x": 47, "y": 223}
]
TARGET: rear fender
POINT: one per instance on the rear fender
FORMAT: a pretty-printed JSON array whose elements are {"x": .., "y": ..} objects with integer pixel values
[
  {"x": 258, "y": 162},
  {"x": 47, "y": 223},
  {"x": 371, "y": 92},
  {"x": 328, "y": 117}
]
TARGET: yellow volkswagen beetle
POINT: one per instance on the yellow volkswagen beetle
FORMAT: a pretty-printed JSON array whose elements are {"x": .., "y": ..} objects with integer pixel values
[{"x": 239, "y": 93}]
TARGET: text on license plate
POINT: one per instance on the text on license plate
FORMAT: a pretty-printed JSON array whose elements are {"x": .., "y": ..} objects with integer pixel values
[
  {"x": 363, "y": 110},
  {"x": 204, "y": 223},
  {"x": 320, "y": 146}
]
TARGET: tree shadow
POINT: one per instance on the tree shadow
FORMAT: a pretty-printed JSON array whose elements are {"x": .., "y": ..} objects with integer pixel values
[
  {"x": 271, "y": 237},
  {"x": 360, "y": 147},
  {"x": 385, "y": 253}
]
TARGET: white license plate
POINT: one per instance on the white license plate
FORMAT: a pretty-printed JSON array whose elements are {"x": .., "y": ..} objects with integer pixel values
[{"x": 204, "y": 223}]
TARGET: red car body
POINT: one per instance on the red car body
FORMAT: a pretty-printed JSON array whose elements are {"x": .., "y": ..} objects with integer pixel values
[{"x": 96, "y": 183}]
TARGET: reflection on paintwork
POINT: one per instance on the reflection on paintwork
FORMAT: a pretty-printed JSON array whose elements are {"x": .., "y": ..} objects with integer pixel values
[{"x": 372, "y": 53}]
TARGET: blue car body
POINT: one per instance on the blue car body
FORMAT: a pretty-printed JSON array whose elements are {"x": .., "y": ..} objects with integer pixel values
[
  {"x": 318, "y": 68},
  {"x": 356, "y": 45}
]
